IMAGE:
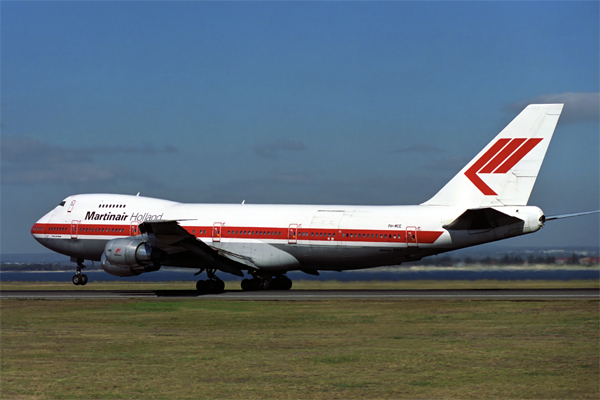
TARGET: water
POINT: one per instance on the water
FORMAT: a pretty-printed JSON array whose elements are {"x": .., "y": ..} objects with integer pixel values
[{"x": 396, "y": 275}]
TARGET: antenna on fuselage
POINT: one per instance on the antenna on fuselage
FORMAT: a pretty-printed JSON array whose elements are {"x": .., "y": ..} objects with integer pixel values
[{"x": 137, "y": 195}]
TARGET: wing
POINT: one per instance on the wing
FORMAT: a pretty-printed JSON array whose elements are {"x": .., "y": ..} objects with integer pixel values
[{"x": 170, "y": 237}]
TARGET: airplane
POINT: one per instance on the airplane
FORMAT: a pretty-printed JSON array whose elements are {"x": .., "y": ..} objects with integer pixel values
[{"x": 485, "y": 202}]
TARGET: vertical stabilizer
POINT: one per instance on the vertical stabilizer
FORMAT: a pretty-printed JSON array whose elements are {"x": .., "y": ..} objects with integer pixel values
[{"x": 504, "y": 172}]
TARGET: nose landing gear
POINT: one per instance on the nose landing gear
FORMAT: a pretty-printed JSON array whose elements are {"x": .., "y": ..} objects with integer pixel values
[{"x": 79, "y": 278}]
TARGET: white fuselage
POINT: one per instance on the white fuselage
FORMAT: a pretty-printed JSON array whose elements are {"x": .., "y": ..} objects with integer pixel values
[
  {"x": 484, "y": 202},
  {"x": 275, "y": 237}
]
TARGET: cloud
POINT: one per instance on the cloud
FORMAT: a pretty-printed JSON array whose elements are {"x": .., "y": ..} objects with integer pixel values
[
  {"x": 418, "y": 148},
  {"x": 29, "y": 161},
  {"x": 272, "y": 150},
  {"x": 579, "y": 107}
]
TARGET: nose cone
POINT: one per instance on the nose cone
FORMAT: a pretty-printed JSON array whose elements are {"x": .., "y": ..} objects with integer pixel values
[{"x": 39, "y": 230}]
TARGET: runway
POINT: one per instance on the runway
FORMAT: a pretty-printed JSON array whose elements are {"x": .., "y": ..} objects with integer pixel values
[{"x": 305, "y": 295}]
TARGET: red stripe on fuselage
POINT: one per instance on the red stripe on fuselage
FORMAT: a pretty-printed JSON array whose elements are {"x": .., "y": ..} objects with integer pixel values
[{"x": 241, "y": 232}]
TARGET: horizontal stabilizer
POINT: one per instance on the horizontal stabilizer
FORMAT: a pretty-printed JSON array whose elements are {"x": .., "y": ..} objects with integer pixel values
[{"x": 481, "y": 219}]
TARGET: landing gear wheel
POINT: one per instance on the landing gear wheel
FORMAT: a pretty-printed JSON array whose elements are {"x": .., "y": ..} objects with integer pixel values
[
  {"x": 246, "y": 285},
  {"x": 281, "y": 283},
  {"x": 219, "y": 286},
  {"x": 286, "y": 283},
  {"x": 264, "y": 284},
  {"x": 256, "y": 284},
  {"x": 251, "y": 284},
  {"x": 79, "y": 278},
  {"x": 211, "y": 286}
]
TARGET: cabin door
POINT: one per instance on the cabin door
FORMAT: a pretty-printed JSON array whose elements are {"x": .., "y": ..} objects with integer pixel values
[
  {"x": 74, "y": 226},
  {"x": 216, "y": 232},
  {"x": 293, "y": 234},
  {"x": 411, "y": 236}
]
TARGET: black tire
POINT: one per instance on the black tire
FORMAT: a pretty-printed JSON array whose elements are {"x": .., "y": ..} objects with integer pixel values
[
  {"x": 264, "y": 284},
  {"x": 84, "y": 279},
  {"x": 286, "y": 283},
  {"x": 279, "y": 283},
  {"x": 219, "y": 286},
  {"x": 210, "y": 285},
  {"x": 201, "y": 286},
  {"x": 275, "y": 284},
  {"x": 76, "y": 280},
  {"x": 256, "y": 284},
  {"x": 246, "y": 285}
]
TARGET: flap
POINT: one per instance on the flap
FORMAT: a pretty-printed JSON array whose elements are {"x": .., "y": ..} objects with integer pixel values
[{"x": 169, "y": 233}]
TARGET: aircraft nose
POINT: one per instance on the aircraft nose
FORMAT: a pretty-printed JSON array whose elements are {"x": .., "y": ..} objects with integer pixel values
[{"x": 39, "y": 229}]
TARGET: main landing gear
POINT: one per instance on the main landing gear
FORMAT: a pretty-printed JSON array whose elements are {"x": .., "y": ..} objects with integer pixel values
[
  {"x": 79, "y": 278},
  {"x": 212, "y": 285},
  {"x": 279, "y": 282}
]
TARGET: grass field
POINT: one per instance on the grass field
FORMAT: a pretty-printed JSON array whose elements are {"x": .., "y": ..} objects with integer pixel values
[{"x": 147, "y": 349}]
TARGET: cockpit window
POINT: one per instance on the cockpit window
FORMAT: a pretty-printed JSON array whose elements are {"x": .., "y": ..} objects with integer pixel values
[{"x": 62, "y": 203}]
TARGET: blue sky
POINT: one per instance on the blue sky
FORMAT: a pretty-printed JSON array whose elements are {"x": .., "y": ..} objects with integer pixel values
[{"x": 289, "y": 102}]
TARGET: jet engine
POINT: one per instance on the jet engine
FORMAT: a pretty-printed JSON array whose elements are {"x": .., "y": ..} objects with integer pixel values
[{"x": 130, "y": 257}]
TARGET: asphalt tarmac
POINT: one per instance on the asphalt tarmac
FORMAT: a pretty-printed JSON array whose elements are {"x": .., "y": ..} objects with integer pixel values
[{"x": 304, "y": 295}]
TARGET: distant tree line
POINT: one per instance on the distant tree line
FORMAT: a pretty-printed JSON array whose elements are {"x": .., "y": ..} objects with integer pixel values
[
  {"x": 442, "y": 260},
  {"x": 42, "y": 267},
  {"x": 509, "y": 259}
]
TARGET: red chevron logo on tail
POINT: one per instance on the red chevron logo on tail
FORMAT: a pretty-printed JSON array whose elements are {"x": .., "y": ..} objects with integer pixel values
[{"x": 499, "y": 159}]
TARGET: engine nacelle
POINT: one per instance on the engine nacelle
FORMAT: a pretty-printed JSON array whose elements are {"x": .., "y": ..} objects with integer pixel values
[
  {"x": 128, "y": 252},
  {"x": 117, "y": 270},
  {"x": 130, "y": 257}
]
